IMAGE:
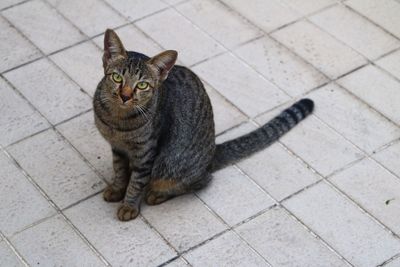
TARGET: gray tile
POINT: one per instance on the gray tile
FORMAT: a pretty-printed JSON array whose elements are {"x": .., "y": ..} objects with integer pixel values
[
  {"x": 225, "y": 114},
  {"x": 84, "y": 136},
  {"x": 235, "y": 132},
  {"x": 90, "y": 16},
  {"x": 319, "y": 48},
  {"x": 21, "y": 203},
  {"x": 278, "y": 172},
  {"x": 342, "y": 225},
  {"x": 375, "y": 189},
  {"x": 183, "y": 221},
  {"x": 49, "y": 90},
  {"x": 268, "y": 15},
  {"x": 121, "y": 243},
  {"x": 234, "y": 196},
  {"x": 49, "y": 31},
  {"x": 133, "y": 40},
  {"x": 281, "y": 66},
  {"x": 7, "y": 256},
  {"x": 230, "y": 31},
  {"x": 83, "y": 63},
  {"x": 376, "y": 88},
  {"x": 18, "y": 119},
  {"x": 318, "y": 145},
  {"x": 285, "y": 242},
  {"x": 191, "y": 44},
  {"x": 54, "y": 243},
  {"x": 8, "y": 3},
  {"x": 136, "y": 9},
  {"x": 391, "y": 63},
  {"x": 240, "y": 84},
  {"x": 394, "y": 263},
  {"x": 389, "y": 157},
  {"x": 306, "y": 7},
  {"x": 352, "y": 118},
  {"x": 346, "y": 26},
  {"x": 178, "y": 263},
  {"x": 14, "y": 48},
  {"x": 384, "y": 13},
  {"x": 57, "y": 168},
  {"x": 225, "y": 250}
]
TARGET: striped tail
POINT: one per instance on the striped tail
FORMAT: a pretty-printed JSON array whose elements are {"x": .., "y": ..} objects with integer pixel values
[{"x": 234, "y": 150}]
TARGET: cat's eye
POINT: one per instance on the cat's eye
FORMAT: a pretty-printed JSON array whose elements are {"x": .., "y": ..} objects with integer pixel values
[
  {"x": 116, "y": 77},
  {"x": 142, "y": 85}
]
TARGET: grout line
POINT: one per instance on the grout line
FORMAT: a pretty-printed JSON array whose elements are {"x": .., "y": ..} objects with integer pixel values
[
  {"x": 14, "y": 5},
  {"x": 13, "y": 249},
  {"x": 395, "y": 257}
]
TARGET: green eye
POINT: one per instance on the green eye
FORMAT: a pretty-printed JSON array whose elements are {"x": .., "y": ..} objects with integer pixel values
[
  {"x": 142, "y": 85},
  {"x": 116, "y": 77}
]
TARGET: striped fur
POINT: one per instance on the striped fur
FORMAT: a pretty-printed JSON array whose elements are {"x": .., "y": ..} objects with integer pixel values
[{"x": 163, "y": 138}]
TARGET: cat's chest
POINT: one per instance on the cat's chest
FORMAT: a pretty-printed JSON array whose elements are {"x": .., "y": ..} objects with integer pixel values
[{"x": 123, "y": 139}]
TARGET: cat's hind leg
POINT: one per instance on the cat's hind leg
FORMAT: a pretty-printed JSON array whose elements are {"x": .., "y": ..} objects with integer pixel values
[{"x": 162, "y": 189}]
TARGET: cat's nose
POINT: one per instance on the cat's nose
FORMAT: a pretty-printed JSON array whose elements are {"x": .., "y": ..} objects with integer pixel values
[{"x": 126, "y": 93}]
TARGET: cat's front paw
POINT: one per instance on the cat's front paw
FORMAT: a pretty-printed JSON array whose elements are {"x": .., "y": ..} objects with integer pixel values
[
  {"x": 112, "y": 194},
  {"x": 127, "y": 212}
]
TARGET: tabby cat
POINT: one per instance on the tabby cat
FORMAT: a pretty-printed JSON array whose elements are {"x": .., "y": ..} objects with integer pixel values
[{"x": 158, "y": 120}]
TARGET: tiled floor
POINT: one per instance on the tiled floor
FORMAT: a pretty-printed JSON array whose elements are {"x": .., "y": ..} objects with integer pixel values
[{"x": 326, "y": 194}]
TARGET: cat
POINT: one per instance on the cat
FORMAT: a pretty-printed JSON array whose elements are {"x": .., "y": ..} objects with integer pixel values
[{"x": 158, "y": 120}]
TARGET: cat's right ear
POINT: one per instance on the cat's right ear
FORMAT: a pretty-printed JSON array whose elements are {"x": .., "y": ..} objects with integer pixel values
[{"x": 113, "y": 48}]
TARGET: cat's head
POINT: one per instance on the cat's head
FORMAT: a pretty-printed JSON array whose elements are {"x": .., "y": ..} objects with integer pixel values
[{"x": 132, "y": 82}]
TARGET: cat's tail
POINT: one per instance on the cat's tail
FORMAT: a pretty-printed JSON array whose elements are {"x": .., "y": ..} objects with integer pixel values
[{"x": 232, "y": 151}]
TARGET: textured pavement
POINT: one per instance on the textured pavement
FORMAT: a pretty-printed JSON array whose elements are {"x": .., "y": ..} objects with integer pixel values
[{"x": 326, "y": 194}]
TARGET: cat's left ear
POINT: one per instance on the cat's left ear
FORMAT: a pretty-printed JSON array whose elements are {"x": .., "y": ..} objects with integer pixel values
[
  {"x": 113, "y": 48},
  {"x": 163, "y": 63}
]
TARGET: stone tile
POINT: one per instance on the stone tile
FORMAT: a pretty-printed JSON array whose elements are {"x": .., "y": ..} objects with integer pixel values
[
  {"x": 9, "y": 3},
  {"x": 133, "y": 40},
  {"x": 394, "y": 263},
  {"x": 91, "y": 16},
  {"x": 231, "y": 31},
  {"x": 306, "y": 7},
  {"x": 184, "y": 221},
  {"x": 57, "y": 168},
  {"x": 375, "y": 189},
  {"x": 192, "y": 44},
  {"x": 49, "y": 31},
  {"x": 84, "y": 136},
  {"x": 285, "y": 242},
  {"x": 383, "y": 13},
  {"x": 278, "y": 172},
  {"x": 376, "y": 88},
  {"x": 355, "y": 31},
  {"x": 312, "y": 139},
  {"x": 281, "y": 66},
  {"x": 178, "y": 263},
  {"x": 7, "y": 256},
  {"x": 21, "y": 204},
  {"x": 83, "y": 63},
  {"x": 240, "y": 84},
  {"x": 14, "y": 48},
  {"x": 319, "y": 48},
  {"x": 18, "y": 119},
  {"x": 391, "y": 63},
  {"x": 233, "y": 133},
  {"x": 54, "y": 243},
  {"x": 268, "y": 15},
  {"x": 225, "y": 250},
  {"x": 352, "y": 118},
  {"x": 136, "y": 9},
  {"x": 225, "y": 114},
  {"x": 389, "y": 157},
  {"x": 49, "y": 90},
  {"x": 341, "y": 224},
  {"x": 234, "y": 196},
  {"x": 121, "y": 243}
]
